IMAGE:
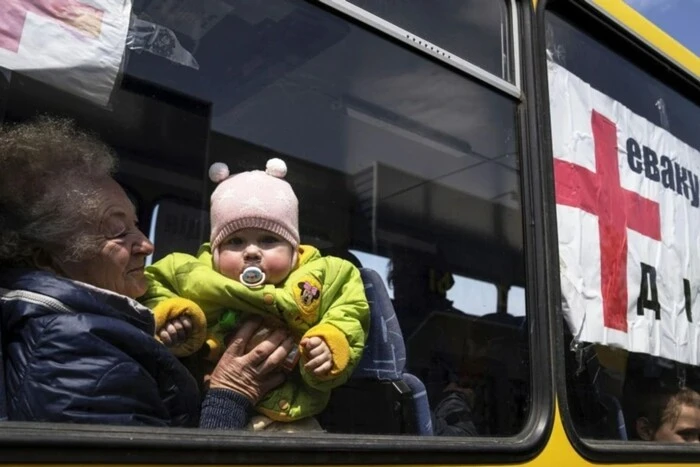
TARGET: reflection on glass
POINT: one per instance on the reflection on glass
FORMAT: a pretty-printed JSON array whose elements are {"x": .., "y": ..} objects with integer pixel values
[
  {"x": 625, "y": 81},
  {"x": 516, "y": 301},
  {"x": 474, "y": 30},
  {"x": 377, "y": 263},
  {"x": 472, "y": 296},
  {"x": 389, "y": 153},
  {"x": 399, "y": 163}
]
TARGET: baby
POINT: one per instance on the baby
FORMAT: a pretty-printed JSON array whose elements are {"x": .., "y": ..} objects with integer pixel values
[{"x": 254, "y": 264}]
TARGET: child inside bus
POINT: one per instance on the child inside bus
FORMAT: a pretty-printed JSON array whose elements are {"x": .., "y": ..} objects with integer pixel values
[
  {"x": 255, "y": 264},
  {"x": 668, "y": 415}
]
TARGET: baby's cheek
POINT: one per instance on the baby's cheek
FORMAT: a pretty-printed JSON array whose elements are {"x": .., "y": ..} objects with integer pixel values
[
  {"x": 277, "y": 271},
  {"x": 229, "y": 265}
]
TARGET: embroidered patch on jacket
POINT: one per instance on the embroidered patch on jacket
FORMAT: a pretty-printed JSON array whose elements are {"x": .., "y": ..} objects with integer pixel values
[{"x": 307, "y": 295}]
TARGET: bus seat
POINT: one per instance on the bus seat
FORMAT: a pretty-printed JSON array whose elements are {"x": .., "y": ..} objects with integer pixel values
[
  {"x": 617, "y": 417},
  {"x": 596, "y": 391},
  {"x": 384, "y": 357},
  {"x": 420, "y": 404},
  {"x": 610, "y": 365},
  {"x": 380, "y": 397}
]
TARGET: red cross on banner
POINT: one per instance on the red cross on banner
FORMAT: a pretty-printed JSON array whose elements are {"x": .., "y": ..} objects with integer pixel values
[
  {"x": 72, "y": 13},
  {"x": 618, "y": 209}
]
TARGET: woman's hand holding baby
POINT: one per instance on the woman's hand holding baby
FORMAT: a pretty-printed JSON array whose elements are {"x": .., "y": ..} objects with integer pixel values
[
  {"x": 318, "y": 354},
  {"x": 255, "y": 372}
]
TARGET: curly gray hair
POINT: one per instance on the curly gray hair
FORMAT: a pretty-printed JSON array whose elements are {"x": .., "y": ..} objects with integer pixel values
[{"x": 48, "y": 190}]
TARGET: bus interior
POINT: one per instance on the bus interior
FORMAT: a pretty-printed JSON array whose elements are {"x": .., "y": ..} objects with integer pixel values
[{"x": 390, "y": 154}]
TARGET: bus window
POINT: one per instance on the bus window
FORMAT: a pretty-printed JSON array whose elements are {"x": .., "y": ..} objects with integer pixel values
[
  {"x": 5, "y": 77},
  {"x": 628, "y": 255},
  {"x": 377, "y": 263},
  {"x": 475, "y": 30},
  {"x": 516, "y": 301},
  {"x": 394, "y": 155},
  {"x": 177, "y": 226},
  {"x": 472, "y": 296},
  {"x": 390, "y": 153}
]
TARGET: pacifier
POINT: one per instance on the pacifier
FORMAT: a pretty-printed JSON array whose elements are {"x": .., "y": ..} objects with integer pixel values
[{"x": 252, "y": 276}]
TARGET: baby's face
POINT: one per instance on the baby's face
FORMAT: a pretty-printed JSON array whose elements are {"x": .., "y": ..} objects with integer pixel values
[{"x": 256, "y": 247}]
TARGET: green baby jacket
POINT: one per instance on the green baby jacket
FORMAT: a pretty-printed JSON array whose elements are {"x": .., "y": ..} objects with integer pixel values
[{"x": 322, "y": 296}]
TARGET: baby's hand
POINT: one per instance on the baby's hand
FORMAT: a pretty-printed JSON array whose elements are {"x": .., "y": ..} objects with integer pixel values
[
  {"x": 175, "y": 331},
  {"x": 318, "y": 354}
]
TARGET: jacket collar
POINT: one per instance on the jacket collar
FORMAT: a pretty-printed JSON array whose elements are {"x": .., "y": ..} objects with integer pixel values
[
  {"x": 307, "y": 253},
  {"x": 78, "y": 296}
]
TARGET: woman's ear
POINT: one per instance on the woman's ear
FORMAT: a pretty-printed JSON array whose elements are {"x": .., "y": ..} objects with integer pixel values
[
  {"x": 45, "y": 261},
  {"x": 644, "y": 429},
  {"x": 42, "y": 260}
]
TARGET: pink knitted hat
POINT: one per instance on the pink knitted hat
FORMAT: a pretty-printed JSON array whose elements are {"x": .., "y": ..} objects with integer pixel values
[{"x": 254, "y": 199}]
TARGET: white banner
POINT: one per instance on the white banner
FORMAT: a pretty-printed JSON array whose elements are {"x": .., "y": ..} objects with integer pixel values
[
  {"x": 628, "y": 217},
  {"x": 75, "y": 45}
]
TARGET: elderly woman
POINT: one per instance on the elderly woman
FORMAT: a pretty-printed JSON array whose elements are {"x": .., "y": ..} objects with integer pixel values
[{"x": 77, "y": 346}]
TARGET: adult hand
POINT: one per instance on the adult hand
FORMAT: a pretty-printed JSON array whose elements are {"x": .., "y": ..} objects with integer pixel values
[{"x": 256, "y": 372}]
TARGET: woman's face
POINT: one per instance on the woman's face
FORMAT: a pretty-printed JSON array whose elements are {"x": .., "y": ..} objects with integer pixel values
[{"x": 119, "y": 263}]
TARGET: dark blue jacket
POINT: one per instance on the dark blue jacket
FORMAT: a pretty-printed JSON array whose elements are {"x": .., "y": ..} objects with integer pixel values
[{"x": 75, "y": 353}]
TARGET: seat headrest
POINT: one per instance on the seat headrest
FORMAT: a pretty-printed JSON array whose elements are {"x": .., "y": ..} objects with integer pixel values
[{"x": 384, "y": 357}]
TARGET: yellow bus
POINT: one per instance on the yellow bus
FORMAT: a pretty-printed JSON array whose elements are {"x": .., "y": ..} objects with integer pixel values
[{"x": 456, "y": 150}]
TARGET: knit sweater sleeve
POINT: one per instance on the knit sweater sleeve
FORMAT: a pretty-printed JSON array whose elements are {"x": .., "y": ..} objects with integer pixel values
[{"x": 223, "y": 409}]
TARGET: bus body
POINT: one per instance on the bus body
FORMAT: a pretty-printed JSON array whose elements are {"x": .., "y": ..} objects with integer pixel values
[{"x": 450, "y": 147}]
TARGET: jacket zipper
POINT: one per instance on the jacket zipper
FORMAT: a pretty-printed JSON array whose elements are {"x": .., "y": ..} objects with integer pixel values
[{"x": 7, "y": 295}]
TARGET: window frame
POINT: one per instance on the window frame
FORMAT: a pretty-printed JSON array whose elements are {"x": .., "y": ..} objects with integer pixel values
[
  {"x": 428, "y": 48},
  {"x": 590, "y": 17},
  {"x": 19, "y": 441}
]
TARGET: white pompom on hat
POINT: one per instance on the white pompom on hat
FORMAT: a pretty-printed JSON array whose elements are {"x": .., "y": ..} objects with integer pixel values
[
  {"x": 276, "y": 168},
  {"x": 254, "y": 199},
  {"x": 218, "y": 172}
]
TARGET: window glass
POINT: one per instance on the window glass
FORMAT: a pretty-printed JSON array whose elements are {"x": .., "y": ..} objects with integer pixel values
[
  {"x": 378, "y": 263},
  {"x": 472, "y": 296},
  {"x": 637, "y": 89},
  {"x": 387, "y": 151},
  {"x": 516, "y": 301},
  {"x": 474, "y": 30},
  {"x": 177, "y": 226},
  {"x": 5, "y": 77},
  {"x": 630, "y": 371}
]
